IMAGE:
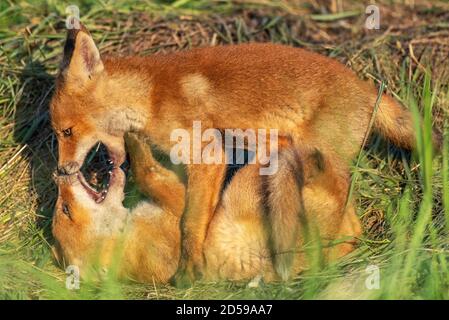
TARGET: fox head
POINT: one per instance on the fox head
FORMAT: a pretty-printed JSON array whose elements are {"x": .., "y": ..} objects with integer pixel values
[
  {"x": 82, "y": 226},
  {"x": 83, "y": 107}
]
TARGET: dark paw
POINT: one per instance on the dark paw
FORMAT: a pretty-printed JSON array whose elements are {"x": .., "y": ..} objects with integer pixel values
[{"x": 186, "y": 277}]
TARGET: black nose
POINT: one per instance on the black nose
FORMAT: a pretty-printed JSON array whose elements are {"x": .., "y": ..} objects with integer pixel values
[{"x": 68, "y": 168}]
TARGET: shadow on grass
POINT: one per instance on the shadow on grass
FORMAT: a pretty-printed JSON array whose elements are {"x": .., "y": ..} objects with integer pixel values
[{"x": 32, "y": 128}]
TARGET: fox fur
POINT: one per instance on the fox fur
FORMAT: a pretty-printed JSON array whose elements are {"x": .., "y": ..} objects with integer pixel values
[{"x": 311, "y": 98}]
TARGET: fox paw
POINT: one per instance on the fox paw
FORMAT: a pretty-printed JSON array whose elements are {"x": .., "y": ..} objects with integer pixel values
[{"x": 186, "y": 276}]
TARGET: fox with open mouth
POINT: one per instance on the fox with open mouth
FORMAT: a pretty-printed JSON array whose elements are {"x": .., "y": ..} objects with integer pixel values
[
  {"x": 315, "y": 100},
  {"x": 147, "y": 238}
]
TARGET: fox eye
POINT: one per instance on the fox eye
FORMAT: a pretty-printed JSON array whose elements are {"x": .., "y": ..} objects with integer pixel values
[
  {"x": 66, "y": 210},
  {"x": 67, "y": 132}
]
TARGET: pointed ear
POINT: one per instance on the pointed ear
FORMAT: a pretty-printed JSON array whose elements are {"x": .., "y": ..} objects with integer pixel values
[{"x": 81, "y": 58}]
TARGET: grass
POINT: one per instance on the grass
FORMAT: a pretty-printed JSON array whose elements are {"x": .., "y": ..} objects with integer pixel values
[{"x": 402, "y": 199}]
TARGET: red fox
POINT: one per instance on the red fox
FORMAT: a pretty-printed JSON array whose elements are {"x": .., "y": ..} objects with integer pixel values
[
  {"x": 237, "y": 246},
  {"x": 313, "y": 99}
]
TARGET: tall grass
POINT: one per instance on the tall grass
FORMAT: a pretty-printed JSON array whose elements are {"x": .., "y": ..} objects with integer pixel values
[{"x": 419, "y": 260}]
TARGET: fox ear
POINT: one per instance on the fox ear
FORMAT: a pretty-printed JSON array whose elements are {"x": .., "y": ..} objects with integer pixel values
[{"x": 81, "y": 58}]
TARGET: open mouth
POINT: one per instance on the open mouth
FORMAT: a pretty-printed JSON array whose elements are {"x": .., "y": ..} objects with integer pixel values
[{"x": 99, "y": 172}]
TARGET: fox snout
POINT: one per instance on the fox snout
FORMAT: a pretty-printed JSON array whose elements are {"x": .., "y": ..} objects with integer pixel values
[{"x": 68, "y": 168}]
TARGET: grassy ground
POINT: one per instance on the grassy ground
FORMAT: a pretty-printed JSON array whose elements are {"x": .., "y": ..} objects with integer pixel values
[{"x": 402, "y": 199}]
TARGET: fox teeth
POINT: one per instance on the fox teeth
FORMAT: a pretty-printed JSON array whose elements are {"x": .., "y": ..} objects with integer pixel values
[{"x": 99, "y": 200}]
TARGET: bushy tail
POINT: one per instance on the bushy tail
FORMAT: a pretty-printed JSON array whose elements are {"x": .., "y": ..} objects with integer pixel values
[
  {"x": 285, "y": 205},
  {"x": 396, "y": 123}
]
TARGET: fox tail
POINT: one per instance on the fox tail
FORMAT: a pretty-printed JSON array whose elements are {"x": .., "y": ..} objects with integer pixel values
[
  {"x": 396, "y": 123},
  {"x": 284, "y": 202}
]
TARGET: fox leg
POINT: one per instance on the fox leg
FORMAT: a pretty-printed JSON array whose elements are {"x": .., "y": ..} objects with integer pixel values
[
  {"x": 350, "y": 229},
  {"x": 336, "y": 180},
  {"x": 203, "y": 191},
  {"x": 153, "y": 180},
  {"x": 327, "y": 199}
]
